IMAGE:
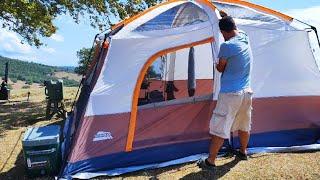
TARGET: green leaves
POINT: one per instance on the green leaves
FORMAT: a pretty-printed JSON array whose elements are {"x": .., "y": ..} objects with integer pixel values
[
  {"x": 84, "y": 61},
  {"x": 32, "y": 19}
]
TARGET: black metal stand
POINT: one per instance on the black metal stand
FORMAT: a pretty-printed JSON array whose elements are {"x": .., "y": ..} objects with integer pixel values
[{"x": 55, "y": 107}]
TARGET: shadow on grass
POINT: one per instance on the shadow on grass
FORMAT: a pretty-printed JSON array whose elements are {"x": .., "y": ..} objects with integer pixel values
[
  {"x": 260, "y": 155},
  {"x": 216, "y": 174},
  {"x": 152, "y": 174},
  {"x": 10, "y": 154},
  {"x": 18, "y": 170},
  {"x": 14, "y": 115}
]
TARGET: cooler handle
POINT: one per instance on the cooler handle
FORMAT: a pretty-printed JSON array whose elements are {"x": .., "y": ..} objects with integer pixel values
[
  {"x": 42, "y": 152},
  {"x": 34, "y": 164}
]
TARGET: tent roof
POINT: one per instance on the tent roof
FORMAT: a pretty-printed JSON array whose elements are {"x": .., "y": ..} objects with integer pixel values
[{"x": 256, "y": 7}]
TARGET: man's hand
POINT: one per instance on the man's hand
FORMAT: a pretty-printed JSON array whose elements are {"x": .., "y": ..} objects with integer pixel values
[{"x": 221, "y": 65}]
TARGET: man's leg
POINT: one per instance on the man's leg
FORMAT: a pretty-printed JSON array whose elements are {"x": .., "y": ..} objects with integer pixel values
[
  {"x": 221, "y": 122},
  {"x": 215, "y": 145},
  {"x": 242, "y": 123},
  {"x": 244, "y": 140}
]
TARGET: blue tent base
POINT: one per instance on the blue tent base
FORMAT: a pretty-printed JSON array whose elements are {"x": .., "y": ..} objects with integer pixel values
[
  {"x": 154, "y": 156},
  {"x": 119, "y": 171}
]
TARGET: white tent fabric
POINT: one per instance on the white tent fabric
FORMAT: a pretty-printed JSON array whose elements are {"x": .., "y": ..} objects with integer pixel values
[
  {"x": 169, "y": 67},
  {"x": 119, "y": 75},
  {"x": 284, "y": 64}
]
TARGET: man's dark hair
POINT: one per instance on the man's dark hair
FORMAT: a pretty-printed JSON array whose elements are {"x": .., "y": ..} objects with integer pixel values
[{"x": 227, "y": 24}]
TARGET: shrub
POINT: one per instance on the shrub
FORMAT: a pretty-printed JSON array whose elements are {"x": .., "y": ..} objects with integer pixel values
[
  {"x": 21, "y": 78},
  {"x": 14, "y": 80},
  {"x": 29, "y": 82},
  {"x": 70, "y": 83}
]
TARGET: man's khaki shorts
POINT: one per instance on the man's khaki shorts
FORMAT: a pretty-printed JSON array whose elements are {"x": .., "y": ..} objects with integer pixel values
[{"x": 232, "y": 113}]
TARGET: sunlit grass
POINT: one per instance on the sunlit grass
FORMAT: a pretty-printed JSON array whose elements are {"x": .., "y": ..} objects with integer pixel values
[
  {"x": 18, "y": 114},
  {"x": 15, "y": 116}
]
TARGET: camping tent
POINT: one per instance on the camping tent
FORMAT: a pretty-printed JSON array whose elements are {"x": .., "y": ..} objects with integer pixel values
[{"x": 135, "y": 109}]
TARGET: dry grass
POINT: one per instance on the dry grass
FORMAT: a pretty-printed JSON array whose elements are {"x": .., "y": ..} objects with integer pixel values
[
  {"x": 19, "y": 84},
  {"x": 15, "y": 117},
  {"x": 71, "y": 76},
  {"x": 18, "y": 114},
  {"x": 259, "y": 166}
]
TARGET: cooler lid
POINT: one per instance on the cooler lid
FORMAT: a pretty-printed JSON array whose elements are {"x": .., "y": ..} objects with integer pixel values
[{"x": 39, "y": 136}]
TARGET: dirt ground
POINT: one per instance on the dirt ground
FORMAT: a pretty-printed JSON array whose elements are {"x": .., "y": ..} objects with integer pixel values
[{"x": 17, "y": 115}]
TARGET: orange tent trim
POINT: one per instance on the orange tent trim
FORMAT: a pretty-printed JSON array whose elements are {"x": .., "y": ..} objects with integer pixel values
[
  {"x": 134, "y": 106},
  {"x": 208, "y": 3}
]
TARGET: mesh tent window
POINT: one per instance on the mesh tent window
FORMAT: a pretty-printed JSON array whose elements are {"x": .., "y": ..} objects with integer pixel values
[
  {"x": 240, "y": 12},
  {"x": 182, "y": 15}
]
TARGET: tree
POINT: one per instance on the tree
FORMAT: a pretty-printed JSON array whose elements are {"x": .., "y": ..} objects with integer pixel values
[
  {"x": 84, "y": 60},
  {"x": 151, "y": 73},
  {"x": 34, "y": 18}
]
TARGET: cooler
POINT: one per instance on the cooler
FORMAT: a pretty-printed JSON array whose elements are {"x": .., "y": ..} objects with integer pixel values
[{"x": 41, "y": 149}]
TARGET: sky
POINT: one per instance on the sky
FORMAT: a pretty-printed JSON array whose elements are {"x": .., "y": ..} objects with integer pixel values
[{"x": 61, "y": 47}]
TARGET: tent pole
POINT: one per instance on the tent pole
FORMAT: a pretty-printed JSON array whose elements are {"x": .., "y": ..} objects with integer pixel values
[
  {"x": 315, "y": 30},
  {"x": 312, "y": 28},
  {"x": 112, "y": 32},
  {"x": 231, "y": 142},
  {"x": 82, "y": 79}
]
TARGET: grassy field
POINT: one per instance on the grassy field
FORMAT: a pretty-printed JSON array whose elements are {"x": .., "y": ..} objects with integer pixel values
[
  {"x": 17, "y": 115},
  {"x": 67, "y": 75}
]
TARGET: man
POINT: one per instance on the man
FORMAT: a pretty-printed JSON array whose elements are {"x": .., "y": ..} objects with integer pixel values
[{"x": 233, "y": 109}]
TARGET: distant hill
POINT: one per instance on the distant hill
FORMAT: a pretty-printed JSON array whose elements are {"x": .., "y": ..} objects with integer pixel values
[
  {"x": 67, "y": 69},
  {"x": 31, "y": 72}
]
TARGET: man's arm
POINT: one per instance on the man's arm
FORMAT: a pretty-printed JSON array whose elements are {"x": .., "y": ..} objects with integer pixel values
[{"x": 221, "y": 65}]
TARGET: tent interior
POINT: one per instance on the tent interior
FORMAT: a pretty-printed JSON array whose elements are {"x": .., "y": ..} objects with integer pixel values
[{"x": 167, "y": 78}]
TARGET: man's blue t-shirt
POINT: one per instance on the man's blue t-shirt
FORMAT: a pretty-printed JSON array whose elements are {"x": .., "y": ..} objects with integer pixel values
[{"x": 237, "y": 52}]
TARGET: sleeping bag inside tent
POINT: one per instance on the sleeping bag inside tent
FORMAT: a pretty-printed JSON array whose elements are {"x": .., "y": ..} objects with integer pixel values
[{"x": 149, "y": 95}]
